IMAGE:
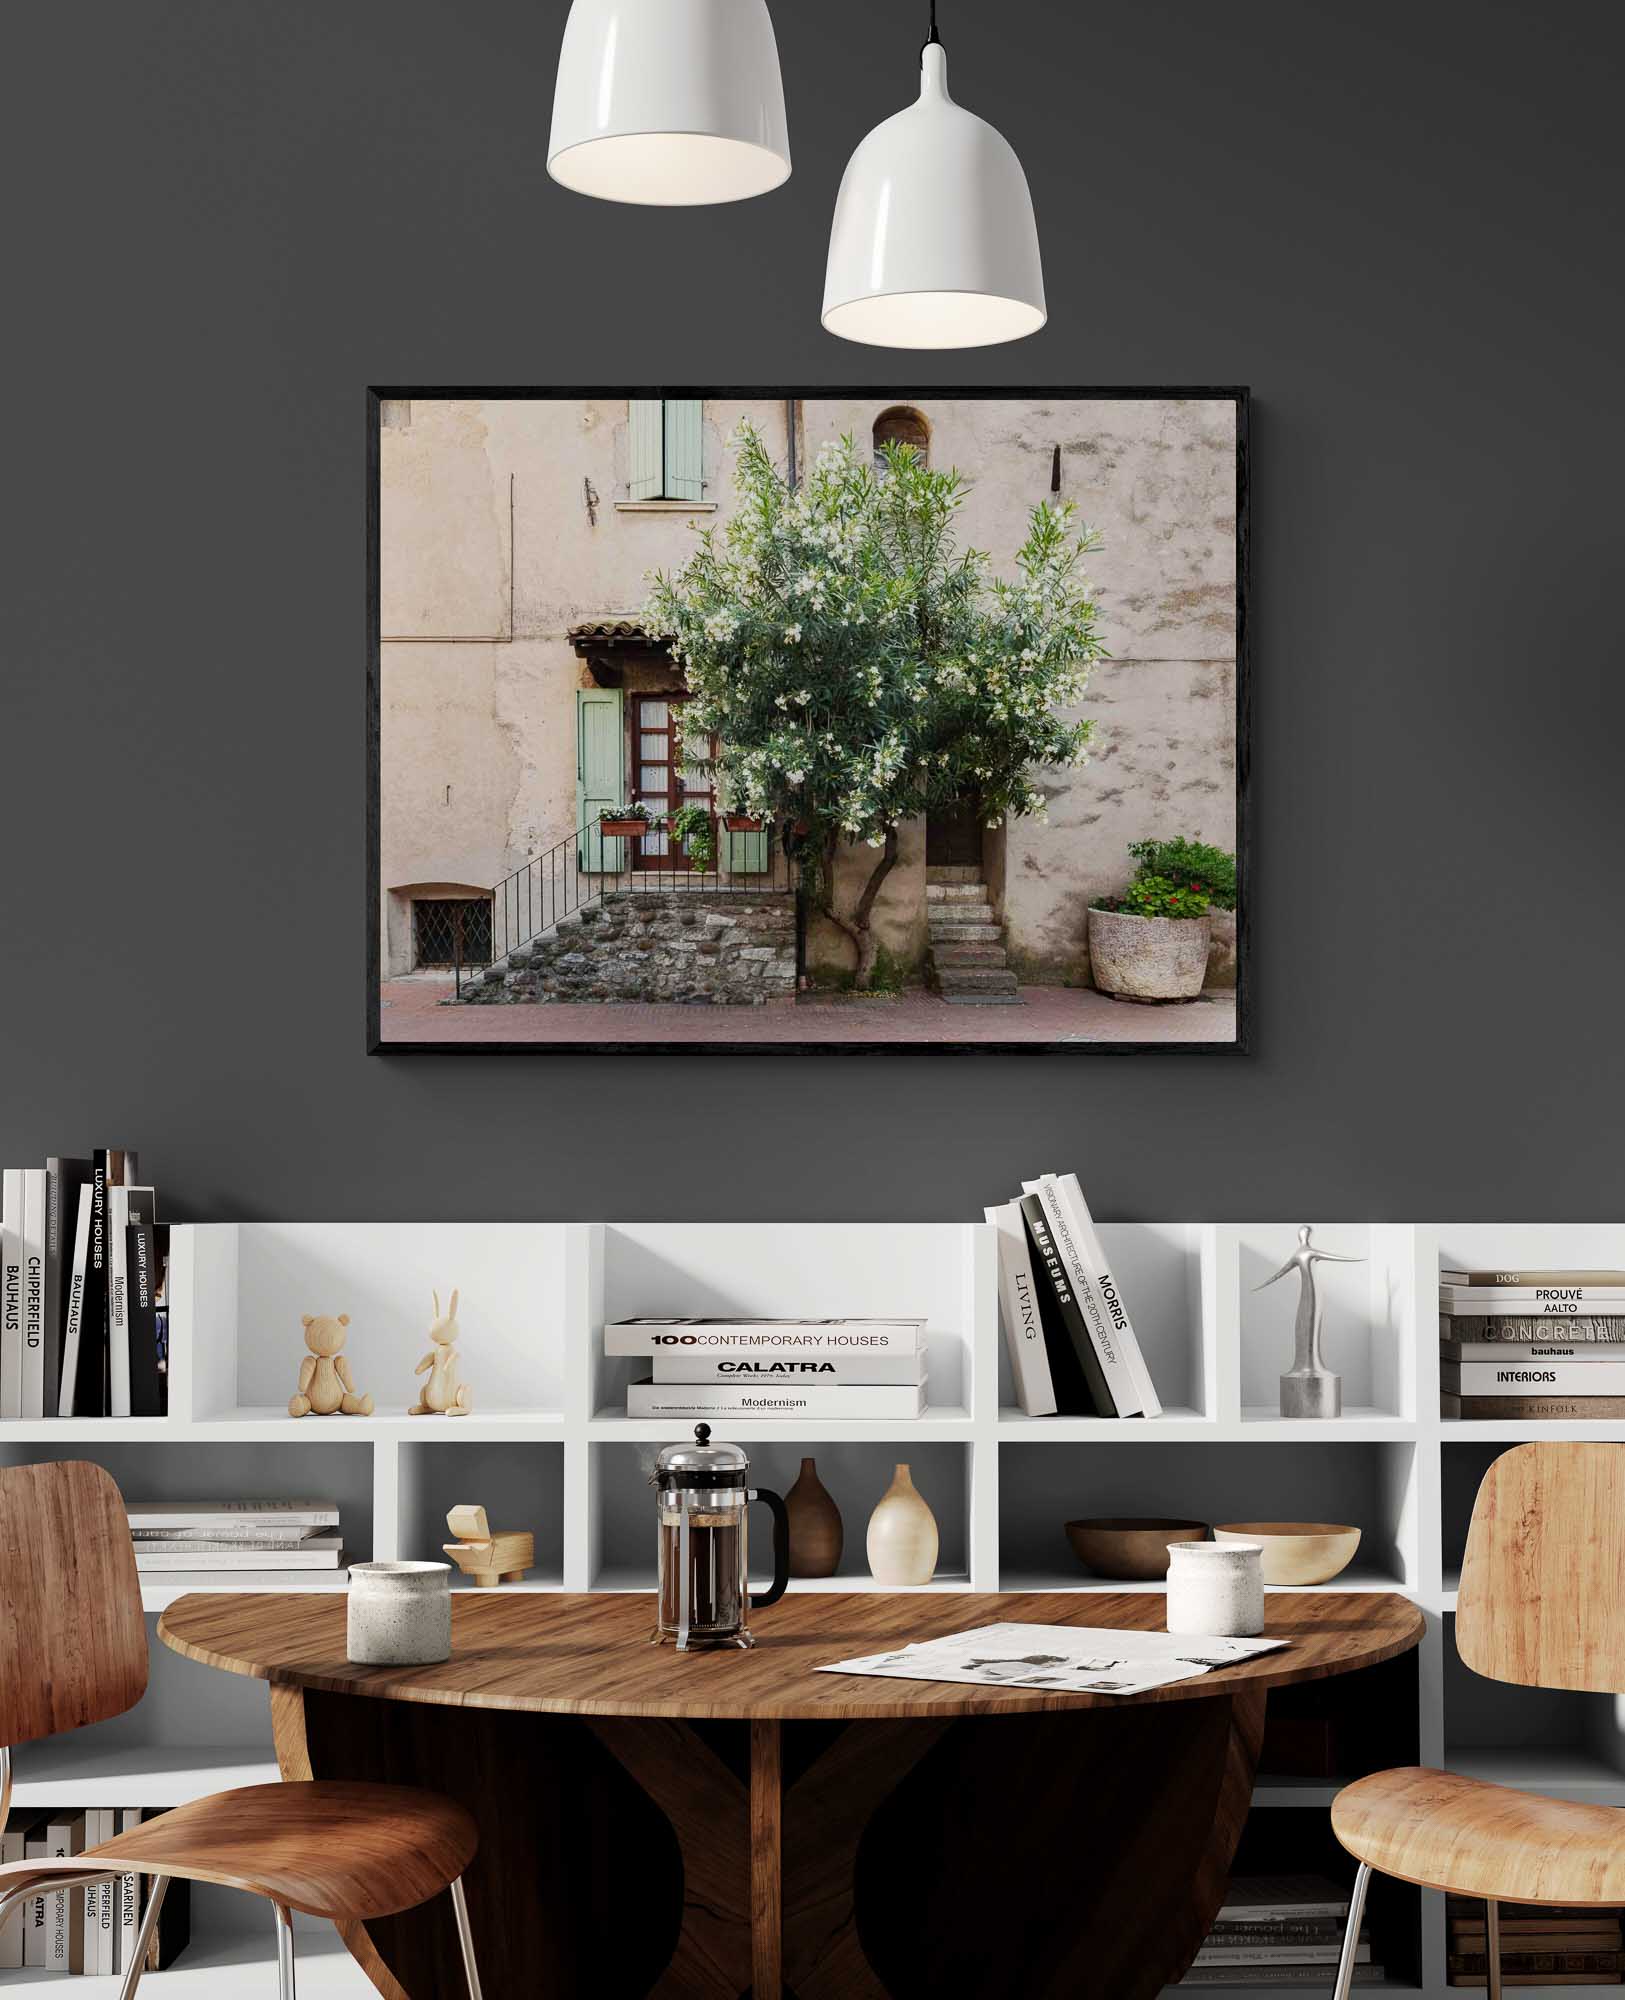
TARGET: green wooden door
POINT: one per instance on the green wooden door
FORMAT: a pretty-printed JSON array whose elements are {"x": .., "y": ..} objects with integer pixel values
[{"x": 600, "y": 775}]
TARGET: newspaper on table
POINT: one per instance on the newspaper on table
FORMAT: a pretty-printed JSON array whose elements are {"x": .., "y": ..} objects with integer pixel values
[{"x": 1068, "y": 1659}]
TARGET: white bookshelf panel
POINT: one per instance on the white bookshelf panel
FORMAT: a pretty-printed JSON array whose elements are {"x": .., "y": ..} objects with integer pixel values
[
  {"x": 1367, "y": 1485},
  {"x": 1370, "y": 1315},
  {"x": 856, "y": 1475},
  {"x": 790, "y": 1271},
  {"x": 243, "y": 1289},
  {"x": 1166, "y": 1274},
  {"x": 520, "y": 1486}
]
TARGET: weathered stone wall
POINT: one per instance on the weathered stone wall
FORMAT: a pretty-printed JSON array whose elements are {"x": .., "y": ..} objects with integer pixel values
[{"x": 728, "y": 948}]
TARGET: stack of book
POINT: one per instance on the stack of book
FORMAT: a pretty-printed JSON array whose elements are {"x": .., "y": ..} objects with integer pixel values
[
  {"x": 1072, "y": 1346},
  {"x": 180, "y": 1535},
  {"x": 86, "y": 1930},
  {"x": 705, "y": 1368},
  {"x": 84, "y": 1315},
  {"x": 1280, "y": 1930},
  {"x": 1532, "y": 1344},
  {"x": 1540, "y": 1946}
]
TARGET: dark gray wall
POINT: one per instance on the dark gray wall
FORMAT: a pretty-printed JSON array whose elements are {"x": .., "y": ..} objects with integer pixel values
[{"x": 1395, "y": 223}]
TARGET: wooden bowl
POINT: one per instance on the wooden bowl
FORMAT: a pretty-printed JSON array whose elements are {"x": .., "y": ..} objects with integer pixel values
[
  {"x": 1296, "y": 1551},
  {"x": 1132, "y": 1551}
]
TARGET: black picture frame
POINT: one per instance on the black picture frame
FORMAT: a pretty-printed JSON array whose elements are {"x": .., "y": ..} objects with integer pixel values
[{"x": 1241, "y": 1045}]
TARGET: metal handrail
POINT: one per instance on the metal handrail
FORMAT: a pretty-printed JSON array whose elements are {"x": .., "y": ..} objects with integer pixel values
[{"x": 531, "y": 900}]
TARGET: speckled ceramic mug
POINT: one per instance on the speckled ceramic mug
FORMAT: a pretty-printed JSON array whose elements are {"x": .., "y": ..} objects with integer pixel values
[
  {"x": 399, "y": 1614},
  {"x": 1216, "y": 1589}
]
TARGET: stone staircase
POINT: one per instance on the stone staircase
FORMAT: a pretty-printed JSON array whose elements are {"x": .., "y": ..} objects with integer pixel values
[{"x": 968, "y": 965}]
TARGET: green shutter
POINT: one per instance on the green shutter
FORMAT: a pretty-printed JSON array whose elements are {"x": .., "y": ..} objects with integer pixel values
[
  {"x": 745, "y": 853},
  {"x": 684, "y": 474},
  {"x": 600, "y": 773},
  {"x": 647, "y": 451}
]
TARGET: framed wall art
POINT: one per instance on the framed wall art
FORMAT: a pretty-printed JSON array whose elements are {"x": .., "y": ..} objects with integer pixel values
[{"x": 857, "y": 720}]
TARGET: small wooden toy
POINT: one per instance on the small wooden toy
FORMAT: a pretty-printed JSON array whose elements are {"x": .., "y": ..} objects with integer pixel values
[
  {"x": 326, "y": 1386},
  {"x": 443, "y": 1394},
  {"x": 487, "y": 1559}
]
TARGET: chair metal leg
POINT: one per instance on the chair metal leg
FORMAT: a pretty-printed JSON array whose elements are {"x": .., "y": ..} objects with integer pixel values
[
  {"x": 465, "y": 1937},
  {"x": 149, "y": 1923},
  {"x": 1492, "y": 1949},
  {"x": 1351, "y": 1936},
  {"x": 284, "y": 1953}
]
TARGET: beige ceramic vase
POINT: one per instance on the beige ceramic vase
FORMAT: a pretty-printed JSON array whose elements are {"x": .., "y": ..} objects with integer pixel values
[
  {"x": 902, "y": 1535},
  {"x": 815, "y": 1525}
]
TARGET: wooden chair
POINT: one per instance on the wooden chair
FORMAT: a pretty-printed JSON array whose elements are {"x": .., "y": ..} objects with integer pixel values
[
  {"x": 73, "y": 1649},
  {"x": 1541, "y": 1604}
]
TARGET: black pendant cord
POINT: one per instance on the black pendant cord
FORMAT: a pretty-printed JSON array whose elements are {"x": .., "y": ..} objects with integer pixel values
[{"x": 933, "y": 36}]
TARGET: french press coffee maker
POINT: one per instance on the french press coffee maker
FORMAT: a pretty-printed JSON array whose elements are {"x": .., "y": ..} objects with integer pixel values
[{"x": 704, "y": 1591}]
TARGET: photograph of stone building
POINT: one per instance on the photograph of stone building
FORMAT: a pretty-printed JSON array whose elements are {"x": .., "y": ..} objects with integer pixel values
[{"x": 559, "y": 861}]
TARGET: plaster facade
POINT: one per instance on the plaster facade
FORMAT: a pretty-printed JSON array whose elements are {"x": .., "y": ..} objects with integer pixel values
[{"x": 505, "y": 523}]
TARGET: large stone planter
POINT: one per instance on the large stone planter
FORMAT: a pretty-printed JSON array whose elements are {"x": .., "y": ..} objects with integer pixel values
[
  {"x": 1148, "y": 958},
  {"x": 1221, "y": 948}
]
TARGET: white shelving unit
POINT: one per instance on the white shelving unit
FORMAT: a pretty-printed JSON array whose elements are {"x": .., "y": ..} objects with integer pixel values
[{"x": 547, "y": 1448}]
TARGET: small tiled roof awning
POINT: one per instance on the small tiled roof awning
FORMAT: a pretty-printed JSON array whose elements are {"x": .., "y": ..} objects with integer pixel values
[{"x": 615, "y": 628}]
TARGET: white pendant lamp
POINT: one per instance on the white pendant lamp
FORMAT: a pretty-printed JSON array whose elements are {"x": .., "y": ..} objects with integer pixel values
[
  {"x": 934, "y": 242},
  {"x": 669, "y": 102}
]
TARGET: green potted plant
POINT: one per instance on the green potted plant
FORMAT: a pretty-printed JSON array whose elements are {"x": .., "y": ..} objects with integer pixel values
[
  {"x": 692, "y": 828},
  {"x": 1195, "y": 864},
  {"x": 627, "y": 822},
  {"x": 743, "y": 822},
  {"x": 1151, "y": 942}
]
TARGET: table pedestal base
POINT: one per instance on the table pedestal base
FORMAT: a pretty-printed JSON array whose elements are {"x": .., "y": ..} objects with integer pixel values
[{"x": 1080, "y": 1853}]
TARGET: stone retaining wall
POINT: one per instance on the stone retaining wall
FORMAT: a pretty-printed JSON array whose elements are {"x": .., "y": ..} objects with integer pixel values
[{"x": 697, "y": 947}]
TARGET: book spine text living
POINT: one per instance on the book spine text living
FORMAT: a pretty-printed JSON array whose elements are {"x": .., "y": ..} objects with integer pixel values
[{"x": 1019, "y": 1311}]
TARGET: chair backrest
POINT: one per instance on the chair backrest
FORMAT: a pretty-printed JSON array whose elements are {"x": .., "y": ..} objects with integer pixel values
[
  {"x": 1542, "y": 1598},
  {"x": 73, "y": 1644}
]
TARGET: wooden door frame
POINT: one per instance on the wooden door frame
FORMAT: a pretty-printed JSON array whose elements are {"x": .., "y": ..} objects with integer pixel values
[{"x": 673, "y": 861}]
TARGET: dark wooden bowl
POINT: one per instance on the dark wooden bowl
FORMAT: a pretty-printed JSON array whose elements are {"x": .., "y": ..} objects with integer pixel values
[{"x": 1132, "y": 1551}]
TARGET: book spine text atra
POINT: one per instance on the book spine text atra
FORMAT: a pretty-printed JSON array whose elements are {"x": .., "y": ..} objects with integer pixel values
[
  {"x": 11, "y": 1293},
  {"x": 1019, "y": 1312},
  {"x": 833, "y": 1337},
  {"x": 1102, "y": 1309},
  {"x": 1604, "y": 1327},
  {"x": 1547, "y": 1409},
  {"x": 1094, "y": 1252},
  {"x": 767, "y": 1364},
  {"x": 1081, "y": 1388},
  {"x": 1549, "y": 1378},
  {"x": 730, "y": 1399},
  {"x": 33, "y": 1292}
]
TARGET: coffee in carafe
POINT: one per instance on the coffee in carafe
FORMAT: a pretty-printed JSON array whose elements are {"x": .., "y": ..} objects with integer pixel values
[{"x": 703, "y": 1547}]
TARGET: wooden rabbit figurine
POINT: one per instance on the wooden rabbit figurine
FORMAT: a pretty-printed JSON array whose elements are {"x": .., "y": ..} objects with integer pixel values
[{"x": 443, "y": 1394}]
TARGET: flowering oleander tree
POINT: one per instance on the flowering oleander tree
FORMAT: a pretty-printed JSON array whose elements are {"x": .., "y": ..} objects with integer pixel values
[{"x": 860, "y": 668}]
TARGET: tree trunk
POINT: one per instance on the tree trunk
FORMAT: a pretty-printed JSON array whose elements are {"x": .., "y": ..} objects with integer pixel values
[{"x": 856, "y": 927}]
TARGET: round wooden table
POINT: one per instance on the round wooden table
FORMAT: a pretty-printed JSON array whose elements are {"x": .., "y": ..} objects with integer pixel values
[{"x": 715, "y": 1824}]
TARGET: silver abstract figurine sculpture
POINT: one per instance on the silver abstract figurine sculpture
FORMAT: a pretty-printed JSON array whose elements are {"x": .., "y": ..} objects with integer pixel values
[{"x": 1309, "y": 1388}]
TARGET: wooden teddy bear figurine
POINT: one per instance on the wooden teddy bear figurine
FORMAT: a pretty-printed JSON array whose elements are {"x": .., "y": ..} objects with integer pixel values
[
  {"x": 443, "y": 1394},
  {"x": 326, "y": 1386}
]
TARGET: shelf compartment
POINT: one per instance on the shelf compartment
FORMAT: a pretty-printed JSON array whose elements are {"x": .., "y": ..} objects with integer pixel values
[
  {"x": 1560, "y": 1741},
  {"x": 241, "y": 1290},
  {"x": 790, "y": 1271},
  {"x": 1369, "y": 1485},
  {"x": 520, "y": 1486},
  {"x": 1370, "y": 1311},
  {"x": 622, "y": 1532}
]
